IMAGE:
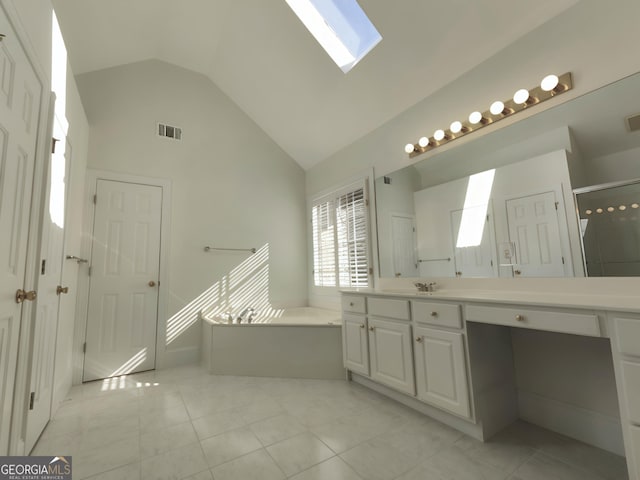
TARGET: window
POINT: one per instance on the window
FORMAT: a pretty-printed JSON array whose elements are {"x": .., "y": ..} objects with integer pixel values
[{"x": 340, "y": 239}]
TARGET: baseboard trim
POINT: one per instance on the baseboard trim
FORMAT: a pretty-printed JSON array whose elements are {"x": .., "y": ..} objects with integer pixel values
[
  {"x": 590, "y": 427},
  {"x": 178, "y": 357}
]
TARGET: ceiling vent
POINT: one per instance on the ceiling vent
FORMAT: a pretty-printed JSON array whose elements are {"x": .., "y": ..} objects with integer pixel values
[
  {"x": 633, "y": 122},
  {"x": 169, "y": 131}
]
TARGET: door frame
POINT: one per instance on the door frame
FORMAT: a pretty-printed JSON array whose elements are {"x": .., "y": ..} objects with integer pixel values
[{"x": 82, "y": 307}]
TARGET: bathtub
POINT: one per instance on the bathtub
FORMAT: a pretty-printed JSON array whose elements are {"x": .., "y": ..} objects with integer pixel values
[{"x": 302, "y": 342}]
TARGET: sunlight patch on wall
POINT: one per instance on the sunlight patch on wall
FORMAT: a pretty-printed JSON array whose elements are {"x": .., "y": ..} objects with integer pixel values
[{"x": 246, "y": 286}]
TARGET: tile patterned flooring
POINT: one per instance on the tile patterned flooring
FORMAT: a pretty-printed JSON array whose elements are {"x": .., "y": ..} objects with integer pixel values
[{"x": 183, "y": 423}]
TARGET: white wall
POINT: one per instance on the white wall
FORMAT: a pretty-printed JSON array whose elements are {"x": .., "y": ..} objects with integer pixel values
[
  {"x": 232, "y": 186},
  {"x": 615, "y": 167}
]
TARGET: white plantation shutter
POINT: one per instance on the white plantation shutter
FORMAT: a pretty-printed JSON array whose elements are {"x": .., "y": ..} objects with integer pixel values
[
  {"x": 324, "y": 251},
  {"x": 352, "y": 239},
  {"x": 340, "y": 239}
]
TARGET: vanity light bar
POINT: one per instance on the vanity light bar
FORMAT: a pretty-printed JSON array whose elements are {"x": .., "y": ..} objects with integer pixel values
[{"x": 550, "y": 86}]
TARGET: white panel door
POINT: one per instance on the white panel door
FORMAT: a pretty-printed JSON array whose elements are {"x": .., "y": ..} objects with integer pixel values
[
  {"x": 123, "y": 293},
  {"x": 391, "y": 354},
  {"x": 403, "y": 237},
  {"x": 20, "y": 93},
  {"x": 354, "y": 343},
  {"x": 46, "y": 321},
  {"x": 480, "y": 260},
  {"x": 441, "y": 370},
  {"x": 533, "y": 227}
]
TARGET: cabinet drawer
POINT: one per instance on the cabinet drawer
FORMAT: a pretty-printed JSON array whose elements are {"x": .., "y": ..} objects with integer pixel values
[
  {"x": 354, "y": 303},
  {"x": 441, "y": 314},
  {"x": 628, "y": 333},
  {"x": 387, "y": 307},
  {"x": 558, "y": 321},
  {"x": 631, "y": 380}
]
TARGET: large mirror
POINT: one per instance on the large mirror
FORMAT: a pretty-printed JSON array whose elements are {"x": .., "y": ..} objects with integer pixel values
[{"x": 502, "y": 205}]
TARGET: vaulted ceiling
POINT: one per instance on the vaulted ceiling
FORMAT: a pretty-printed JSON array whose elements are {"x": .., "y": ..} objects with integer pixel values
[{"x": 263, "y": 58}]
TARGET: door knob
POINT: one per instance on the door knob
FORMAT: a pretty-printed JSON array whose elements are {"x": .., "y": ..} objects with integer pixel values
[
  {"x": 517, "y": 272},
  {"x": 60, "y": 289},
  {"x": 152, "y": 283},
  {"x": 21, "y": 295},
  {"x": 419, "y": 339}
]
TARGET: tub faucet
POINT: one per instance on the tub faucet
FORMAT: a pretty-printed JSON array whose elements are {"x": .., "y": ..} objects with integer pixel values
[
  {"x": 246, "y": 316},
  {"x": 426, "y": 287}
]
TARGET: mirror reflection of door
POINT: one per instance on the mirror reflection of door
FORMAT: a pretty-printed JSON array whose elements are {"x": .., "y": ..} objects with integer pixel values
[
  {"x": 479, "y": 260},
  {"x": 533, "y": 227},
  {"x": 123, "y": 297},
  {"x": 403, "y": 239}
]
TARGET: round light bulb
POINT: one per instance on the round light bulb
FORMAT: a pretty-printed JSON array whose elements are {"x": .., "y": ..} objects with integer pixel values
[
  {"x": 521, "y": 96},
  {"x": 423, "y": 142},
  {"x": 456, "y": 127},
  {"x": 622, "y": 208},
  {"x": 634, "y": 205},
  {"x": 439, "y": 135},
  {"x": 496, "y": 108},
  {"x": 599, "y": 210},
  {"x": 549, "y": 82},
  {"x": 409, "y": 148},
  {"x": 475, "y": 118},
  {"x": 610, "y": 209},
  {"x": 588, "y": 212}
]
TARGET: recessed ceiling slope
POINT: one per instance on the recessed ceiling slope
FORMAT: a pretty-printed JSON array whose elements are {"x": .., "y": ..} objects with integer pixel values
[{"x": 265, "y": 60}]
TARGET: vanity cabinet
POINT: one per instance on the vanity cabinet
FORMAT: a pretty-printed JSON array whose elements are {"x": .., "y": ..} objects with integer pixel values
[
  {"x": 626, "y": 352},
  {"x": 441, "y": 370},
  {"x": 355, "y": 343},
  {"x": 391, "y": 354}
]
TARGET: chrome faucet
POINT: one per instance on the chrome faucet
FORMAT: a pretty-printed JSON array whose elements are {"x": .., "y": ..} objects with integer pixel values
[
  {"x": 426, "y": 287},
  {"x": 248, "y": 313}
]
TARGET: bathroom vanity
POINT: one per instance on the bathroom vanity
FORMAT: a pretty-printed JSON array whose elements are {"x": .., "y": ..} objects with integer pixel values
[{"x": 450, "y": 355}]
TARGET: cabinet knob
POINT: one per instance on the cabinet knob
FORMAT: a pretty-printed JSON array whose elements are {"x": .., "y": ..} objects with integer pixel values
[
  {"x": 434, "y": 314},
  {"x": 371, "y": 329},
  {"x": 351, "y": 304},
  {"x": 419, "y": 339},
  {"x": 520, "y": 318},
  {"x": 362, "y": 325}
]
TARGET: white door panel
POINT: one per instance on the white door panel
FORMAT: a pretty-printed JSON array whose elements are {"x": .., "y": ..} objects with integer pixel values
[
  {"x": 480, "y": 260},
  {"x": 20, "y": 93},
  {"x": 46, "y": 321},
  {"x": 533, "y": 227},
  {"x": 122, "y": 316},
  {"x": 404, "y": 246}
]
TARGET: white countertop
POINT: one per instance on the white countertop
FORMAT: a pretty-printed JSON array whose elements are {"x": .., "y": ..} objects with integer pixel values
[{"x": 621, "y": 303}]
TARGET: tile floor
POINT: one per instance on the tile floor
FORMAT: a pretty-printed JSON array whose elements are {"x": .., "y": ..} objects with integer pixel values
[{"x": 186, "y": 424}]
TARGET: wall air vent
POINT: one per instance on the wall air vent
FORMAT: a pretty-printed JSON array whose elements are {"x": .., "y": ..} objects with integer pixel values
[
  {"x": 633, "y": 122},
  {"x": 169, "y": 131}
]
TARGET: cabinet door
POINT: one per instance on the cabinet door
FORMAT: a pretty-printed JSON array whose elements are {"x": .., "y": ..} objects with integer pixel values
[
  {"x": 354, "y": 343},
  {"x": 391, "y": 356},
  {"x": 441, "y": 370}
]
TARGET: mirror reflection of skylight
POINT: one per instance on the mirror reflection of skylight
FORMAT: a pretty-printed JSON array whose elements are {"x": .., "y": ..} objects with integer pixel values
[
  {"x": 476, "y": 203},
  {"x": 340, "y": 26}
]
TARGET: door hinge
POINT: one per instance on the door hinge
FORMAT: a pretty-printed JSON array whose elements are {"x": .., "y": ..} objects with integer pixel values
[
  {"x": 487, "y": 218},
  {"x": 43, "y": 268},
  {"x": 563, "y": 260},
  {"x": 370, "y": 270},
  {"x": 32, "y": 400},
  {"x": 84, "y": 347},
  {"x": 89, "y": 271},
  {"x": 557, "y": 203},
  {"x": 95, "y": 199},
  {"x": 366, "y": 202},
  {"x": 54, "y": 142}
]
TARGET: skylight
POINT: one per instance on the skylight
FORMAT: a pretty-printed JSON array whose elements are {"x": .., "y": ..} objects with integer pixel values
[
  {"x": 476, "y": 204},
  {"x": 340, "y": 26}
]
